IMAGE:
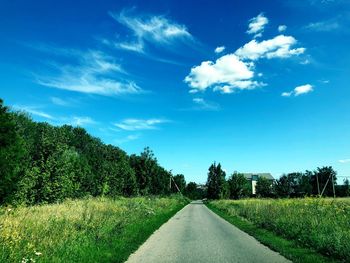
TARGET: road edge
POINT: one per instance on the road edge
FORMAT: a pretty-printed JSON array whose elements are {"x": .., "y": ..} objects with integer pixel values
[{"x": 287, "y": 248}]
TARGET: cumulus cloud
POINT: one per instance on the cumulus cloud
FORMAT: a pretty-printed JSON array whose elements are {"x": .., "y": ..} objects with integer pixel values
[
  {"x": 139, "y": 124},
  {"x": 219, "y": 49},
  {"x": 303, "y": 89},
  {"x": 232, "y": 72},
  {"x": 344, "y": 161},
  {"x": 277, "y": 47},
  {"x": 153, "y": 29},
  {"x": 226, "y": 73},
  {"x": 257, "y": 24},
  {"x": 282, "y": 28}
]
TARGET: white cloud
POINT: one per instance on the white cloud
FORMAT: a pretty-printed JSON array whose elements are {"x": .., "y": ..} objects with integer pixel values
[
  {"x": 219, "y": 49},
  {"x": 305, "y": 62},
  {"x": 344, "y": 161},
  {"x": 33, "y": 110},
  {"x": 287, "y": 94},
  {"x": 303, "y": 89},
  {"x": 257, "y": 25},
  {"x": 81, "y": 121},
  {"x": 205, "y": 105},
  {"x": 278, "y": 47},
  {"x": 129, "y": 138},
  {"x": 59, "y": 101},
  {"x": 139, "y": 124},
  {"x": 226, "y": 73},
  {"x": 152, "y": 29},
  {"x": 282, "y": 28},
  {"x": 94, "y": 72},
  {"x": 328, "y": 25}
]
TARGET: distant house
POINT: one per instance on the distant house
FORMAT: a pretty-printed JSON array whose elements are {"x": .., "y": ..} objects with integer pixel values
[{"x": 253, "y": 178}]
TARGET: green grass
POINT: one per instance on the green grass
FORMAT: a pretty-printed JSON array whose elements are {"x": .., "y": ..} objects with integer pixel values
[
  {"x": 90, "y": 230},
  {"x": 300, "y": 229}
]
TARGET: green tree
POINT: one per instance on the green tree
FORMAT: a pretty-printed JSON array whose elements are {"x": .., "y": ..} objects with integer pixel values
[
  {"x": 323, "y": 175},
  {"x": 180, "y": 182},
  {"x": 263, "y": 187},
  {"x": 239, "y": 186},
  {"x": 12, "y": 154},
  {"x": 216, "y": 183}
]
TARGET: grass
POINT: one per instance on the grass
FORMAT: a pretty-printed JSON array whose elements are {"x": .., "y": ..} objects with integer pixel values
[
  {"x": 90, "y": 230},
  {"x": 300, "y": 229}
]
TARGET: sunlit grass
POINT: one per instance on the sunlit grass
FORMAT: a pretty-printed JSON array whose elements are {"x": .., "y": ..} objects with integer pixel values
[
  {"x": 90, "y": 230},
  {"x": 321, "y": 224}
]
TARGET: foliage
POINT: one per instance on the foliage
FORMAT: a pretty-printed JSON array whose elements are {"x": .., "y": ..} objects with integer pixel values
[
  {"x": 41, "y": 163},
  {"x": 319, "y": 223},
  {"x": 216, "y": 183},
  {"x": 85, "y": 230},
  {"x": 194, "y": 191},
  {"x": 180, "y": 182},
  {"x": 263, "y": 187},
  {"x": 239, "y": 186}
]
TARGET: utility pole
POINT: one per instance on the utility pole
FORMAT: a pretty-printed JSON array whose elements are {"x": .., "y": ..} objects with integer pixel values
[
  {"x": 333, "y": 186},
  {"x": 318, "y": 186}
]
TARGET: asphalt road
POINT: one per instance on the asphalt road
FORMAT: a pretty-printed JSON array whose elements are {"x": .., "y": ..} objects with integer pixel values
[{"x": 196, "y": 234}]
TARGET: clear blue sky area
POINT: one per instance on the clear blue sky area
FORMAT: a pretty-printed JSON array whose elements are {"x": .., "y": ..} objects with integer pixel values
[{"x": 259, "y": 86}]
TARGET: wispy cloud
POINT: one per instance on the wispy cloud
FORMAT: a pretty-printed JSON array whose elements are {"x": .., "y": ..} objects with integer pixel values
[
  {"x": 157, "y": 30},
  {"x": 129, "y": 138},
  {"x": 55, "y": 120},
  {"x": 140, "y": 124},
  {"x": 344, "y": 161},
  {"x": 59, "y": 101},
  {"x": 303, "y": 89},
  {"x": 325, "y": 26},
  {"x": 202, "y": 104},
  {"x": 33, "y": 110},
  {"x": 81, "y": 121},
  {"x": 256, "y": 25},
  {"x": 277, "y": 47},
  {"x": 93, "y": 72},
  {"x": 219, "y": 49}
]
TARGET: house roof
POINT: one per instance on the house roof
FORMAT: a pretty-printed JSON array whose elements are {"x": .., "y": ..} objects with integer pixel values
[{"x": 265, "y": 175}]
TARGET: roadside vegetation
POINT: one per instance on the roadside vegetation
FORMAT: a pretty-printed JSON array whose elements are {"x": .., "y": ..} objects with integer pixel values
[
  {"x": 87, "y": 230},
  {"x": 41, "y": 163},
  {"x": 321, "y": 224}
]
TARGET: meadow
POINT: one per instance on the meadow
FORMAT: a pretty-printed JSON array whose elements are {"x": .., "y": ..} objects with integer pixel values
[
  {"x": 87, "y": 230},
  {"x": 322, "y": 224}
]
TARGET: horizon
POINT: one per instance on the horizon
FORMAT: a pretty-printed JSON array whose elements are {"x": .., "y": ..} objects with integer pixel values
[{"x": 258, "y": 86}]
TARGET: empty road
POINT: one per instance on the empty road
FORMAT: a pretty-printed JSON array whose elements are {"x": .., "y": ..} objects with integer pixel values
[{"x": 196, "y": 234}]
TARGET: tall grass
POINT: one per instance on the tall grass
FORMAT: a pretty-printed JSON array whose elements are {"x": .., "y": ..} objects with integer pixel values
[
  {"x": 91, "y": 230},
  {"x": 321, "y": 224}
]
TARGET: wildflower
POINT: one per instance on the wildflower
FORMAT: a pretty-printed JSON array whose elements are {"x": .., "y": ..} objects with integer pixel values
[{"x": 38, "y": 253}]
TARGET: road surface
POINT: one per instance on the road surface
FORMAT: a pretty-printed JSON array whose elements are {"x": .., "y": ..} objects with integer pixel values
[{"x": 196, "y": 234}]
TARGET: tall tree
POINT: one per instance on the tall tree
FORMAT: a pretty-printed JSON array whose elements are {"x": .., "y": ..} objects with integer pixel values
[
  {"x": 216, "y": 183},
  {"x": 263, "y": 187},
  {"x": 239, "y": 186},
  {"x": 12, "y": 154}
]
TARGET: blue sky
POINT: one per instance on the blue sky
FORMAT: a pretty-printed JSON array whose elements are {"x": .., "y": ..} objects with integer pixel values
[{"x": 260, "y": 86}]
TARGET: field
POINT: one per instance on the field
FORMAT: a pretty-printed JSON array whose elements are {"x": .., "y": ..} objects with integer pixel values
[
  {"x": 319, "y": 224},
  {"x": 90, "y": 230}
]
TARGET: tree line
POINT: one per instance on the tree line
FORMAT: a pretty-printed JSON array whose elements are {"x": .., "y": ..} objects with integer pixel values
[
  {"x": 298, "y": 184},
  {"x": 41, "y": 163}
]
